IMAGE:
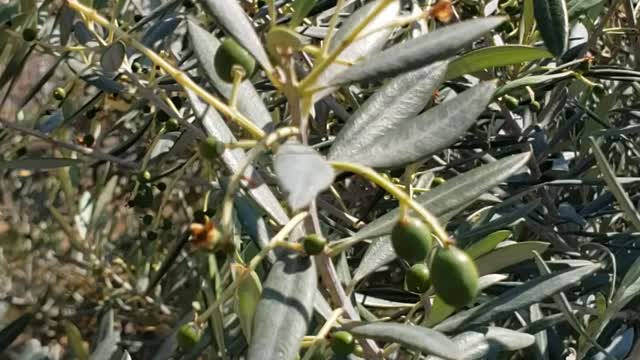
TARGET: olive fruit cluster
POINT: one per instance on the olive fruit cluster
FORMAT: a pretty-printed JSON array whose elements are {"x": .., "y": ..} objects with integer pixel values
[{"x": 451, "y": 272}]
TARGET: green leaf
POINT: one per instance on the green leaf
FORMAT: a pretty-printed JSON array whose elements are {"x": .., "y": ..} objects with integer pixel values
[
  {"x": 249, "y": 103},
  {"x": 432, "y": 131},
  {"x": 487, "y": 244},
  {"x": 491, "y": 57},
  {"x": 38, "y": 164},
  {"x": 112, "y": 57},
  {"x": 454, "y": 193},
  {"x": 478, "y": 344},
  {"x": 612, "y": 183},
  {"x": 301, "y": 9},
  {"x": 629, "y": 288},
  {"x": 415, "y": 337},
  {"x": 13, "y": 330},
  {"x": 508, "y": 255},
  {"x": 362, "y": 47},
  {"x": 553, "y": 23},
  {"x": 302, "y": 173},
  {"x": 230, "y": 16},
  {"x": 534, "y": 80},
  {"x": 234, "y": 158},
  {"x": 246, "y": 300},
  {"x": 522, "y": 296},
  {"x": 416, "y": 53},
  {"x": 578, "y": 7},
  {"x": 285, "y": 309},
  {"x": 401, "y": 99}
]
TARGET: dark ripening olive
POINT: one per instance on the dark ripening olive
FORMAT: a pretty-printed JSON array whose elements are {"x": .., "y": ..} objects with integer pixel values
[
  {"x": 147, "y": 219},
  {"x": 229, "y": 54},
  {"x": 187, "y": 337},
  {"x": 314, "y": 244},
  {"x": 59, "y": 94},
  {"x": 29, "y": 34},
  {"x": 418, "y": 279},
  {"x": 144, "y": 197},
  {"x": 454, "y": 276},
  {"x": 411, "y": 239},
  {"x": 88, "y": 140},
  {"x": 342, "y": 343}
]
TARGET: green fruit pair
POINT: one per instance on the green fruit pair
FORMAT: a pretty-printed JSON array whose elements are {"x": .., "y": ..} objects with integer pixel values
[{"x": 231, "y": 54}]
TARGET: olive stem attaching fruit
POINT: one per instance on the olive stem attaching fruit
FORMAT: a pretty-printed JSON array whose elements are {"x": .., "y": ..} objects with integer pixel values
[{"x": 441, "y": 235}]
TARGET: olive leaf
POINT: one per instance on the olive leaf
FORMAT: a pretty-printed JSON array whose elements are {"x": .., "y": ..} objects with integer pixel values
[
  {"x": 508, "y": 255},
  {"x": 230, "y": 16},
  {"x": 477, "y": 344},
  {"x": 361, "y": 47},
  {"x": 302, "y": 173},
  {"x": 10, "y": 332},
  {"x": 248, "y": 102},
  {"x": 415, "y": 337},
  {"x": 553, "y": 22},
  {"x": 415, "y": 53},
  {"x": 413, "y": 140},
  {"x": 39, "y": 163},
  {"x": 112, "y": 57},
  {"x": 285, "y": 309},
  {"x": 519, "y": 297},
  {"x": 401, "y": 99}
]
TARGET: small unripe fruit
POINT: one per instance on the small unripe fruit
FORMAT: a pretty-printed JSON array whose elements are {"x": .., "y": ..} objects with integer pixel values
[
  {"x": 210, "y": 148},
  {"x": 145, "y": 176},
  {"x": 29, "y": 34},
  {"x": 418, "y": 279},
  {"x": 314, "y": 244},
  {"x": 59, "y": 94},
  {"x": 454, "y": 276},
  {"x": 187, "y": 337},
  {"x": 342, "y": 343},
  {"x": 411, "y": 239},
  {"x": 172, "y": 125},
  {"x": 229, "y": 54}
]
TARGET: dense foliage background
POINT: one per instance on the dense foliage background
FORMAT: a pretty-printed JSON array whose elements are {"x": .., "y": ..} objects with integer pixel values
[{"x": 154, "y": 198}]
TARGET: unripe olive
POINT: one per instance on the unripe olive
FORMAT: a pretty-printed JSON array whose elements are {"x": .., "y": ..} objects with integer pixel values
[
  {"x": 342, "y": 343},
  {"x": 210, "y": 148},
  {"x": 411, "y": 239},
  {"x": 145, "y": 176},
  {"x": 59, "y": 94},
  {"x": 229, "y": 54},
  {"x": 29, "y": 34},
  {"x": 418, "y": 278},
  {"x": 172, "y": 125},
  {"x": 454, "y": 276},
  {"x": 314, "y": 244},
  {"x": 187, "y": 337}
]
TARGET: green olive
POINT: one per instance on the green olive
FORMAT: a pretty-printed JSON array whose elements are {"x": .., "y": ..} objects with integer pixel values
[
  {"x": 314, "y": 244},
  {"x": 418, "y": 279},
  {"x": 172, "y": 125},
  {"x": 342, "y": 343},
  {"x": 145, "y": 176},
  {"x": 59, "y": 94},
  {"x": 454, "y": 276},
  {"x": 210, "y": 148},
  {"x": 411, "y": 239},
  {"x": 229, "y": 54},
  {"x": 187, "y": 337}
]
